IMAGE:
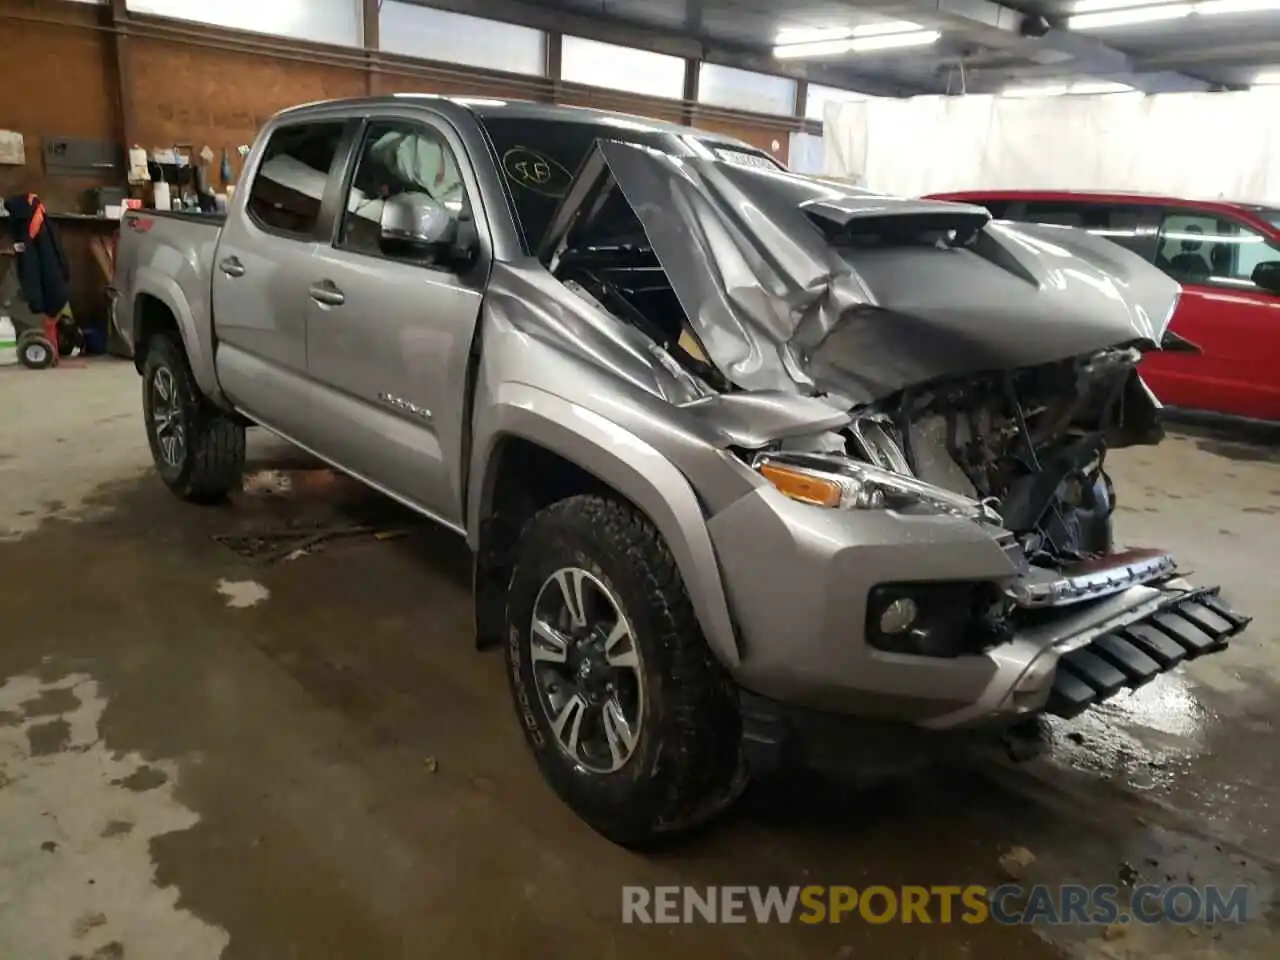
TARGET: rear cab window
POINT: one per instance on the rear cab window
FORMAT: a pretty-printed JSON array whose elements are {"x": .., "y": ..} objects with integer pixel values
[{"x": 289, "y": 186}]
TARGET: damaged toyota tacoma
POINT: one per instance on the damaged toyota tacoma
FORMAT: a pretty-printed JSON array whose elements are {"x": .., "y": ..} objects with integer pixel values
[{"x": 741, "y": 455}]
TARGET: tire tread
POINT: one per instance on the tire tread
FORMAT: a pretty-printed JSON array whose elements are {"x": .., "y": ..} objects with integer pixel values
[
  {"x": 215, "y": 441},
  {"x": 703, "y": 771}
]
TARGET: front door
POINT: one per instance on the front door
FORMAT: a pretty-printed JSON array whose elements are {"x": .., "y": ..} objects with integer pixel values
[
  {"x": 260, "y": 275},
  {"x": 1235, "y": 323},
  {"x": 391, "y": 323}
]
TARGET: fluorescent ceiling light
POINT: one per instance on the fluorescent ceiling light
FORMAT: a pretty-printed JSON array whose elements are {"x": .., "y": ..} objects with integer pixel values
[
  {"x": 1097, "y": 87},
  {"x": 880, "y": 29},
  {"x": 811, "y": 34},
  {"x": 820, "y": 48},
  {"x": 1046, "y": 90},
  {"x": 827, "y": 48},
  {"x": 893, "y": 41},
  {"x": 1093, "y": 6},
  {"x": 824, "y": 34},
  {"x": 1079, "y": 88},
  {"x": 1099, "y": 14},
  {"x": 1122, "y": 18},
  {"x": 1211, "y": 7}
]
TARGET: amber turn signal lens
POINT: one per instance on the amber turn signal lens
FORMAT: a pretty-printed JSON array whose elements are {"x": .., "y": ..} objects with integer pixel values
[{"x": 802, "y": 486}]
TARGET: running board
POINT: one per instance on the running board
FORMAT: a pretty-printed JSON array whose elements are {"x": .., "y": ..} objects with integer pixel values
[{"x": 1125, "y": 658}]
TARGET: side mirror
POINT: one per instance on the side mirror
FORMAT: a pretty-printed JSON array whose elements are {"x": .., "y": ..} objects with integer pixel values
[
  {"x": 416, "y": 224},
  {"x": 1266, "y": 276}
]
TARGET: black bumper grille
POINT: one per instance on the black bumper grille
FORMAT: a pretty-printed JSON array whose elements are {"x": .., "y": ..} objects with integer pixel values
[{"x": 1126, "y": 658}]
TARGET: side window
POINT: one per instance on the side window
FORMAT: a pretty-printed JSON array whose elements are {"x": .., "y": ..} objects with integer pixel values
[
  {"x": 1060, "y": 214},
  {"x": 1208, "y": 249},
  {"x": 289, "y": 186},
  {"x": 406, "y": 200},
  {"x": 1129, "y": 225}
]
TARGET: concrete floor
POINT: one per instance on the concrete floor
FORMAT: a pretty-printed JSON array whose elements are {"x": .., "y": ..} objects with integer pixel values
[{"x": 201, "y": 757}]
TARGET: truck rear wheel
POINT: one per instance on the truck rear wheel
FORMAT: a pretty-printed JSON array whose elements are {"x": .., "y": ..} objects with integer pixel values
[
  {"x": 198, "y": 450},
  {"x": 631, "y": 719}
]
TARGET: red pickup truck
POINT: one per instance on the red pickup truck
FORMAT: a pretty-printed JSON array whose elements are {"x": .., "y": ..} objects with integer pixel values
[{"x": 1227, "y": 258}]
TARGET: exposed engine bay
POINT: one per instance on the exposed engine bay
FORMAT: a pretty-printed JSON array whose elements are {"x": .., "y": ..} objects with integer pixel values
[
  {"x": 1032, "y": 444},
  {"x": 1024, "y": 450}
]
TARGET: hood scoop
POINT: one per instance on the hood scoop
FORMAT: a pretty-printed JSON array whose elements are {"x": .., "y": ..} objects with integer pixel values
[{"x": 897, "y": 222}]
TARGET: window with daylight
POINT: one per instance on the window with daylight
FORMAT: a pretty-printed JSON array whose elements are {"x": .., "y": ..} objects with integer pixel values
[
  {"x": 320, "y": 21},
  {"x": 622, "y": 68},
  {"x": 818, "y": 96},
  {"x": 431, "y": 34},
  {"x": 737, "y": 89}
]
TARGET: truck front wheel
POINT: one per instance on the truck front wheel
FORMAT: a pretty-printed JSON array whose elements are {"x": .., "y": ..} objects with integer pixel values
[
  {"x": 198, "y": 450},
  {"x": 632, "y": 721}
]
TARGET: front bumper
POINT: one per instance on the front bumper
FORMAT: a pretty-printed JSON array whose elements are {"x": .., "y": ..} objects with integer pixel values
[
  {"x": 1183, "y": 628},
  {"x": 798, "y": 580}
]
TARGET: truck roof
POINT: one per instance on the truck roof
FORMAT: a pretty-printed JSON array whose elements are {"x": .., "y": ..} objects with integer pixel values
[{"x": 485, "y": 107}]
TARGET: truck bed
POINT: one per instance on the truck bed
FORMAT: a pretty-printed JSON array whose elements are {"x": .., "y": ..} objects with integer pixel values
[
  {"x": 168, "y": 256},
  {"x": 216, "y": 219}
]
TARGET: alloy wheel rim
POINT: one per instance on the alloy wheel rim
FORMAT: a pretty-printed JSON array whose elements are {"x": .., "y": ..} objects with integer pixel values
[
  {"x": 588, "y": 671},
  {"x": 37, "y": 353},
  {"x": 166, "y": 417}
]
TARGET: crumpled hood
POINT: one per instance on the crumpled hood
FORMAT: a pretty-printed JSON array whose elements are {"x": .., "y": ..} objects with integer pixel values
[{"x": 797, "y": 285}]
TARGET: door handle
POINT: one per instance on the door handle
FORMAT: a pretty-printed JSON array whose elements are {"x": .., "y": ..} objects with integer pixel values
[
  {"x": 232, "y": 267},
  {"x": 327, "y": 294}
]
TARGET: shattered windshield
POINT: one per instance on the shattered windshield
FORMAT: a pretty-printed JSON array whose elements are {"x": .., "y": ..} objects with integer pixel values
[{"x": 539, "y": 157}]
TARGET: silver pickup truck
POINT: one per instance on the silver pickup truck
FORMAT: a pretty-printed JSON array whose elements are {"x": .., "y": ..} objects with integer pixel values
[{"x": 747, "y": 460}]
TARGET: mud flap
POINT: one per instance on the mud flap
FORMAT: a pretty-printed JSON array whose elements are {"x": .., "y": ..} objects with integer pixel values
[{"x": 1125, "y": 658}]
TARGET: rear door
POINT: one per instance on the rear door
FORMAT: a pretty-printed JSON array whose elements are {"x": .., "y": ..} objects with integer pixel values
[
  {"x": 389, "y": 330},
  {"x": 1235, "y": 323},
  {"x": 261, "y": 271}
]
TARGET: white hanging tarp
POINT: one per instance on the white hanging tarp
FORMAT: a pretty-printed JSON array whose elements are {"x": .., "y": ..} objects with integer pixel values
[{"x": 1203, "y": 145}]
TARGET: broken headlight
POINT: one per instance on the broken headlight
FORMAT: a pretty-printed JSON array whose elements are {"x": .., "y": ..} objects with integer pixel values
[{"x": 835, "y": 482}]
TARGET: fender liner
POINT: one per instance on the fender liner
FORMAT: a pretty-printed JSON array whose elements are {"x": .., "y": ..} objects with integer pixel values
[{"x": 628, "y": 465}]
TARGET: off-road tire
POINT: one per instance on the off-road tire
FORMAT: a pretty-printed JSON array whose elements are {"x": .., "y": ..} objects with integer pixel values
[
  {"x": 213, "y": 461},
  {"x": 687, "y": 765}
]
